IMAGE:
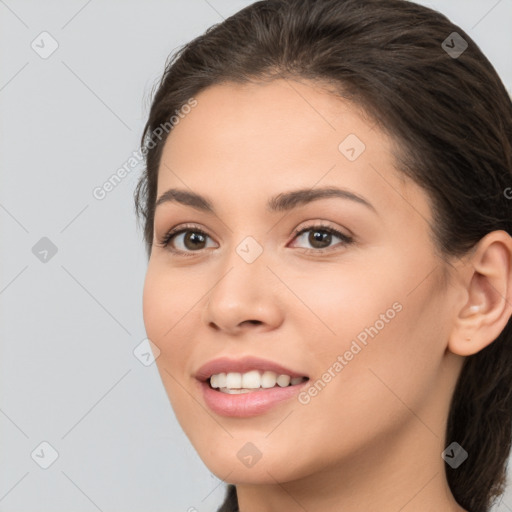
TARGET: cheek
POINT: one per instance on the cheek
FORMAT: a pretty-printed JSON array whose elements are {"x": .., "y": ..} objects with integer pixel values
[
  {"x": 341, "y": 304},
  {"x": 171, "y": 315},
  {"x": 388, "y": 330},
  {"x": 154, "y": 298},
  {"x": 167, "y": 300},
  {"x": 167, "y": 309}
]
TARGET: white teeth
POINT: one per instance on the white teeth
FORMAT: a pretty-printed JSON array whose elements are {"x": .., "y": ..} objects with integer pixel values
[
  {"x": 250, "y": 380},
  {"x": 221, "y": 380},
  {"x": 268, "y": 379},
  {"x": 284, "y": 380},
  {"x": 234, "y": 382},
  {"x": 218, "y": 380}
]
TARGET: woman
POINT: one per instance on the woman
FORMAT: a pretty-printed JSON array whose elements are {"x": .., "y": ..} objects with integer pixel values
[{"x": 327, "y": 208}]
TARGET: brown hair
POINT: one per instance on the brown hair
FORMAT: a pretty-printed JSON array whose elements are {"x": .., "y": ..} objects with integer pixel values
[{"x": 451, "y": 118}]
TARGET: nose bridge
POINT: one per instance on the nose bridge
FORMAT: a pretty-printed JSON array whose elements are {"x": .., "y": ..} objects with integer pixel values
[
  {"x": 246, "y": 244},
  {"x": 244, "y": 270}
]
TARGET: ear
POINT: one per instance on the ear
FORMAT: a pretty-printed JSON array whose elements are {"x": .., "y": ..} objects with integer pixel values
[{"x": 487, "y": 282}]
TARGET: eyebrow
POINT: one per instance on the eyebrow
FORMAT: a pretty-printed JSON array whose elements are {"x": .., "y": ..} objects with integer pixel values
[{"x": 282, "y": 202}]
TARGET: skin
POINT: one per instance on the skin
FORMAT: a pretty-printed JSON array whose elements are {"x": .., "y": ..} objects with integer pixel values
[{"x": 372, "y": 438}]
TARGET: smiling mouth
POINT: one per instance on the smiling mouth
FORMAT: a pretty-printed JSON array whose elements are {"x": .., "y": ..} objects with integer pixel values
[{"x": 249, "y": 382}]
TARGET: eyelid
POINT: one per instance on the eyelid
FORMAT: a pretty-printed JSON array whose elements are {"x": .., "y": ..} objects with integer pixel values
[
  {"x": 324, "y": 224},
  {"x": 180, "y": 228},
  {"x": 318, "y": 225}
]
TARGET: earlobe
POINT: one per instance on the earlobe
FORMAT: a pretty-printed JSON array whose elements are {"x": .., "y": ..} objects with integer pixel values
[{"x": 488, "y": 285}]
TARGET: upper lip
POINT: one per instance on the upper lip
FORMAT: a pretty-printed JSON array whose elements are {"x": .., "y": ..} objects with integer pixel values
[{"x": 242, "y": 365}]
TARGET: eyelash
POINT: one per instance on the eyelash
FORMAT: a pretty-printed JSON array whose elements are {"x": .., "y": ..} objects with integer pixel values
[{"x": 164, "y": 242}]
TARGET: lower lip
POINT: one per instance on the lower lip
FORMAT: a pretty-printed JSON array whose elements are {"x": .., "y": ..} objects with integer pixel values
[{"x": 242, "y": 405}]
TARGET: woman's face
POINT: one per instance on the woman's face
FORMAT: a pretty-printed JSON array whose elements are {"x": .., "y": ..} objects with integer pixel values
[{"x": 364, "y": 316}]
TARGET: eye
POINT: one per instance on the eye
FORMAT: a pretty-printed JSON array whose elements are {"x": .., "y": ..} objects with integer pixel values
[
  {"x": 321, "y": 236},
  {"x": 192, "y": 241},
  {"x": 194, "y": 238}
]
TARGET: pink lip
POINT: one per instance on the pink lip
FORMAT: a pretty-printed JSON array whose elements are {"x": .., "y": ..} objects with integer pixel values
[
  {"x": 245, "y": 405},
  {"x": 242, "y": 365}
]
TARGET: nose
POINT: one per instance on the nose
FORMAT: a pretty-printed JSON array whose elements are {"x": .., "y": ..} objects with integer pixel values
[{"x": 245, "y": 296}]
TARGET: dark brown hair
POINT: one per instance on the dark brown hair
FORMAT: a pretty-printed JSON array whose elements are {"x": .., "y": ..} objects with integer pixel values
[{"x": 451, "y": 119}]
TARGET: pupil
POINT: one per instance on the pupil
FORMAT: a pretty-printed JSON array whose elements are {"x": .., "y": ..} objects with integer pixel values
[
  {"x": 323, "y": 237},
  {"x": 194, "y": 237},
  {"x": 315, "y": 238}
]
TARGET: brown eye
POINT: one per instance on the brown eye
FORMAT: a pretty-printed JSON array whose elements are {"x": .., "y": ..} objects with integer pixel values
[
  {"x": 193, "y": 240},
  {"x": 320, "y": 237},
  {"x": 188, "y": 240}
]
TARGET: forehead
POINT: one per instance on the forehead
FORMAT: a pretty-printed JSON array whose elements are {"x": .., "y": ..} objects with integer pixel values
[
  {"x": 261, "y": 138},
  {"x": 268, "y": 119}
]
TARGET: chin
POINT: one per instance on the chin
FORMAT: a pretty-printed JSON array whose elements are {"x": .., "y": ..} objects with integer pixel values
[{"x": 240, "y": 462}]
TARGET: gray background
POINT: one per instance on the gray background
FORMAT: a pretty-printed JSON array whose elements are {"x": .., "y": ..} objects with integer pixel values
[{"x": 70, "y": 325}]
